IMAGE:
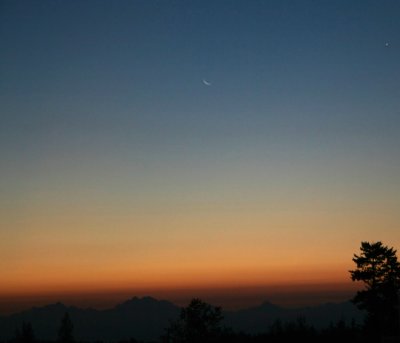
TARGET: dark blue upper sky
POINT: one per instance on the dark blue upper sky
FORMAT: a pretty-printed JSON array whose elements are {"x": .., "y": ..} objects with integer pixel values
[
  {"x": 130, "y": 73},
  {"x": 123, "y": 79}
]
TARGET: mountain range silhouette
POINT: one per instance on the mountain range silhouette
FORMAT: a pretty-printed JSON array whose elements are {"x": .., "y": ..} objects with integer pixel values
[{"x": 146, "y": 318}]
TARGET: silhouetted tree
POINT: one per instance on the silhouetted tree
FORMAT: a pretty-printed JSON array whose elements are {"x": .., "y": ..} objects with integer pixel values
[
  {"x": 25, "y": 334},
  {"x": 198, "y": 322},
  {"x": 341, "y": 332},
  {"x": 292, "y": 331},
  {"x": 378, "y": 268},
  {"x": 65, "y": 332}
]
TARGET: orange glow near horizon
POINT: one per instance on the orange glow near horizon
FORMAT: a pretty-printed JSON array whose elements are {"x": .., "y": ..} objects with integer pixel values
[
  {"x": 166, "y": 277},
  {"x": 229, "y": 296},
  {"x": 221, "y": 250}
]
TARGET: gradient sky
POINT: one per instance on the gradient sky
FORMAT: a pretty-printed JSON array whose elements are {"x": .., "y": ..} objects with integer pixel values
[{"x": 121, "y": 170}]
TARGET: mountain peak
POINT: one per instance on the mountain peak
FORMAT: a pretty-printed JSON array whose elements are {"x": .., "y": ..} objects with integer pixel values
[
  {"x": 56, "y": 306},
  {"x": 137, "y": 302},
  {"x": 146, "y": 318}
]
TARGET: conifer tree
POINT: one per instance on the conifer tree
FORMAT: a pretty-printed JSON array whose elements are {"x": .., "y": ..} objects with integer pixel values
[
  {"x": 65, "y": 332},
  {"x": 378, "y": 268}
]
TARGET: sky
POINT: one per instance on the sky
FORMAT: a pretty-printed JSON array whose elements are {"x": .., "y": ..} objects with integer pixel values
[{"x": 157, "y": 146}]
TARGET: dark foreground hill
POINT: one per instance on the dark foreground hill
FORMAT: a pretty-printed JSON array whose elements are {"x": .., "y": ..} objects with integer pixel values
[
  {"x": 146, "y": 318},
  {"x": 143, "y": 318},
  {"x": 257, "y": 319}
]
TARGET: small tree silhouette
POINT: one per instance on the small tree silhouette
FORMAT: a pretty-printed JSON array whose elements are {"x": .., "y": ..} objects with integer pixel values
[
  {"x": 65, "y": 332},
  {"x": 378, "y": 268},
  {"x": 198, "y": 322},
  {"x": 25, "y": 334}
]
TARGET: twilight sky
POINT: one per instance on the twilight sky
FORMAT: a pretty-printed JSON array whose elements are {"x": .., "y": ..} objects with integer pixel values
[{"x": 122, "y": 170}]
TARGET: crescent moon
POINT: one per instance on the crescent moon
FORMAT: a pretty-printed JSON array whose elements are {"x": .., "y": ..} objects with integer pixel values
[{"x": 206, "y": 82}]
